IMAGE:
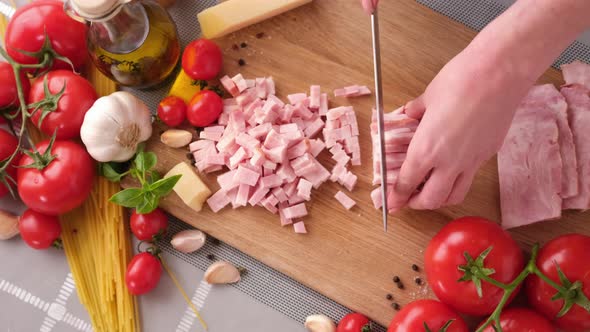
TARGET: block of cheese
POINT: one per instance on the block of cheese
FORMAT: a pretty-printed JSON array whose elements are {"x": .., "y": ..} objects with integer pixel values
[
  {"x": 190, "y": 188},
  {"x": 184, "y": 87},
  {"x": 233, "y": 15}
]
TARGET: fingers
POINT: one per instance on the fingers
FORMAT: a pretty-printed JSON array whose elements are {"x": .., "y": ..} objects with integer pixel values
[
  {"x": 435, "y": 192},
  {"x": 415, "y": 109},
  {"x": 412, "y": 174},
  {"x": 461, "y": 188},
  {"x": 369, "y": 5}
]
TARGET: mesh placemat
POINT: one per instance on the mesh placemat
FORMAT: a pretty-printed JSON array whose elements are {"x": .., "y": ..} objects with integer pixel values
[{"x": 477, "y": 14}]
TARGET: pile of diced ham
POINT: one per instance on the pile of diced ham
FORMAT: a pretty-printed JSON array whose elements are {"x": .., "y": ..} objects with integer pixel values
[
  {"x": 269, "y": 148},
  {"x": 398, "y": 132},
  {"x": 544, "y": 164}
]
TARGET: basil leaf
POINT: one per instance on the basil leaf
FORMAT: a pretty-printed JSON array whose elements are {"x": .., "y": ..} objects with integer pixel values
[
  {"x": 164, "y": 186},
  {"x": 153, "y": 177},
  {"x": 145, "y": 161},
  {"x": 113, "y": 171},
  {"x": 148, "y": 204},
  {"x": 130, "y": 198}
]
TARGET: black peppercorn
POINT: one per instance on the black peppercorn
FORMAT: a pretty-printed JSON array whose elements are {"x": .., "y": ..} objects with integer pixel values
[
  {"x": 396, "y": 279},
  {"x": 241, "y": 62},
  {"x": 415, "y": 267},
  {"x": 418, "y": 281},
  {"x": 260, "y": 35},
  {"x": 210, "y": 257},
  {"x": 400, "y": 285},
  {"x": 389, "y": 297},
  {"x": 396, "y": 306},
  {"x": 243, "y": 45}
]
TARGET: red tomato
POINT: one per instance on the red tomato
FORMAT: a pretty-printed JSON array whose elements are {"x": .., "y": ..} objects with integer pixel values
[
  {"x": 204, "y": 109},
  {"x": 66, "y": 114},
  {"x": 38, "y": 230},
  {"x": 521, "y": 320},
  {"x": 202, "y": 60},
  {"x": 143, "y": 273},
  {"x": 8, "y": 91},
  {"x": 172, "y": 111},
  {"x": 354, "y": 322},
  {"x": 29, "y": 25},
  {"x": 444, "y": 255},
  {"x": 146, "y": 227},
  {"x": 570, "y": 252},
  {"x": 8, "y": 144},
  {"x": 435, "y": 314},
  {"x": 62, "y": 185}
]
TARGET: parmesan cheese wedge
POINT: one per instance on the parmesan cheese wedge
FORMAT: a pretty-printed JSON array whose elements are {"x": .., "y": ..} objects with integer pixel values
[
  {"x": 233, "y": 15},
  {"x": 190, "y": 188}
]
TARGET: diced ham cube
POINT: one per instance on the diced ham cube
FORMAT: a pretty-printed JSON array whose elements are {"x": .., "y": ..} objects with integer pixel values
[
  {"x": 226, "y": 181},
  {"x": 218, "y": 201},
  {"x": 348, "y": 180},
  {"x": 229, "y": 85},
  {"x": 270, "y": 86},
  {"x": 246, "y": 175},
  {"x": 215, "y": 159},
  {"x": 273, "y": 140},
  {"x": 316, "y": 146},
  {"x": 296, "y": 211},
  {"x": 296, "y": 98},
  {"x": 237, "y": 158},
  {"x": 242, "y": 196},
  {"x": 250, "y": 83},
  {"x": 346, "y": 201},
  {"x": 258, "y": 195},
  {"x": 200, "y": 145},
  {"x": 336, "y": 113},
  {"x": 323, "y": 104},
  {"x": 299, "y": 228},
  {"x": 314, "y": 96},
  {"x": 288, "y": 128},
  {"x": 280, "y": 194},
  {"x": 276, "y": 155},
  {"x": 284, "y": 221},
  {"x": 260, "y": 130},
  {"x": 269, "y": 164},
  {"x": 302, "y": 111},
  {"x": 304, "y": 189},
  {"x": 314, "y": 128},
  {"x": 240, "y": 82},
  {"x": 286, "y": 173},
  {"x": 247, "y": 142},
  {"x": 261, "y": 87},
  {"x": 276, "y": 100},
  {"x": 298, "y": 149},
  {"x": 271, "y": 181},
  {"x": 290, "y": 188},
  {"x": 246, "y": 98},
  {"x": 258, "y": 157}
]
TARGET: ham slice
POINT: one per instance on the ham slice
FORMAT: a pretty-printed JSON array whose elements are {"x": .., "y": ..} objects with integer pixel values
[
  {"x": 530, "y": 168},
  {"x": 346, "y": 201},
  {"x": 578, "y": 100}
]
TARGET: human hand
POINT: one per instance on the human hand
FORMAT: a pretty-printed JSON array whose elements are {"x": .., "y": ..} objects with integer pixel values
[
  {"x": 369, "y": 5},
  {"x": 466, "y": 112}
]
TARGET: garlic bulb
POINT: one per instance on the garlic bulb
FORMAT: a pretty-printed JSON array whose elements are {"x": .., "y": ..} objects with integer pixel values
[
  {"x": 320, "y": 323},
  {"x": 114, "y": 126}
]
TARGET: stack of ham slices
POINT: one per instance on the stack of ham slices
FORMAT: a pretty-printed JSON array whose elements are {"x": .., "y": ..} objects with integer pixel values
[
  {"x": 399, "y": 130},
  {"x": 544, "y": 164},
  {"x": 269, "y": 148}
]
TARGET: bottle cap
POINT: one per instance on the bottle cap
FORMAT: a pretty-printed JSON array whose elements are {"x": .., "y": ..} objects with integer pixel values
[{"x": 95, "y": 8}]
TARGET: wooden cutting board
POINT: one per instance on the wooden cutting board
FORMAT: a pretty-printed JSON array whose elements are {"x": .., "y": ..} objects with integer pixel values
[{"x": 346, "y": 255}]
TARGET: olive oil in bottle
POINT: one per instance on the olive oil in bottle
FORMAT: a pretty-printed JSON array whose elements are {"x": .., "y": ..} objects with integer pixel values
[{"x": 134, "y": 43}]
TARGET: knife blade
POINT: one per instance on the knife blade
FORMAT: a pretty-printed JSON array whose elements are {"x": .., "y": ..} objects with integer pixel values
[{"x": 379, "y": 105}]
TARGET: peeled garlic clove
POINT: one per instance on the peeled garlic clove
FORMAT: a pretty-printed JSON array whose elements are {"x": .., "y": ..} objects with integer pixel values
[
  {"x": 222, "y": 273},
  {"x": 320, "y": 323},
  {"x": 188, "y": 241},
  {"x": 176, "y": 138},
  {"x": 8, "y": 225}
]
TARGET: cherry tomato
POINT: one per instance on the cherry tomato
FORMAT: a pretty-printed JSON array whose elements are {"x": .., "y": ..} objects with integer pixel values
[
  {"x": 8, "y": 144},
  {"x": 202, "y": 60},
  {"x": 521, "y": 320},
  {"x": 570, "y": 252},
  {"x": 146, "y": 227},
  {"x": 445, "y": 253},
  {"x": 38, "y": 230},
  {"x": 27, "y": 29},
  {"x": 8, "y": 90},
  {"x": 430, "y": 312},
  {"x": 143, "y": 273},
  {"x": 67, "y": 113},
  {"x": 204, "y": 109},
  {"x": 62, "y": 185},
  {"x": 354, "y": 322},
  {"x": 172, "y": 111}
]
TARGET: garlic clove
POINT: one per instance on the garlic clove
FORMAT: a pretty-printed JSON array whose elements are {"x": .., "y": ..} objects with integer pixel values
[
  {"x": 176, "y": 138},
  {"x": 320, "y": 323},
  {"x": 188, "y": 241},
  {"x": 222, "y": 273},
  {"x": 8, "y": 225}
]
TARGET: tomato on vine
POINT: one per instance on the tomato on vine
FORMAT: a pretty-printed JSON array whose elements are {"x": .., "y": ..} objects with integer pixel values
[
  {"x": 9, "y": 102},
  {"x": 427, "y": 316},
  {"x": 522, "y": 319},
  {"x": 354, "y": 322},
  {"x": 8, "y": 144},
  {"x": 149, "y": 226},
  {"x": 38, "y": 230}
]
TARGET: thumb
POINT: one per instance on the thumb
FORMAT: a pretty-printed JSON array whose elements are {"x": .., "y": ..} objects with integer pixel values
[{"x": 415, "y": 108}]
